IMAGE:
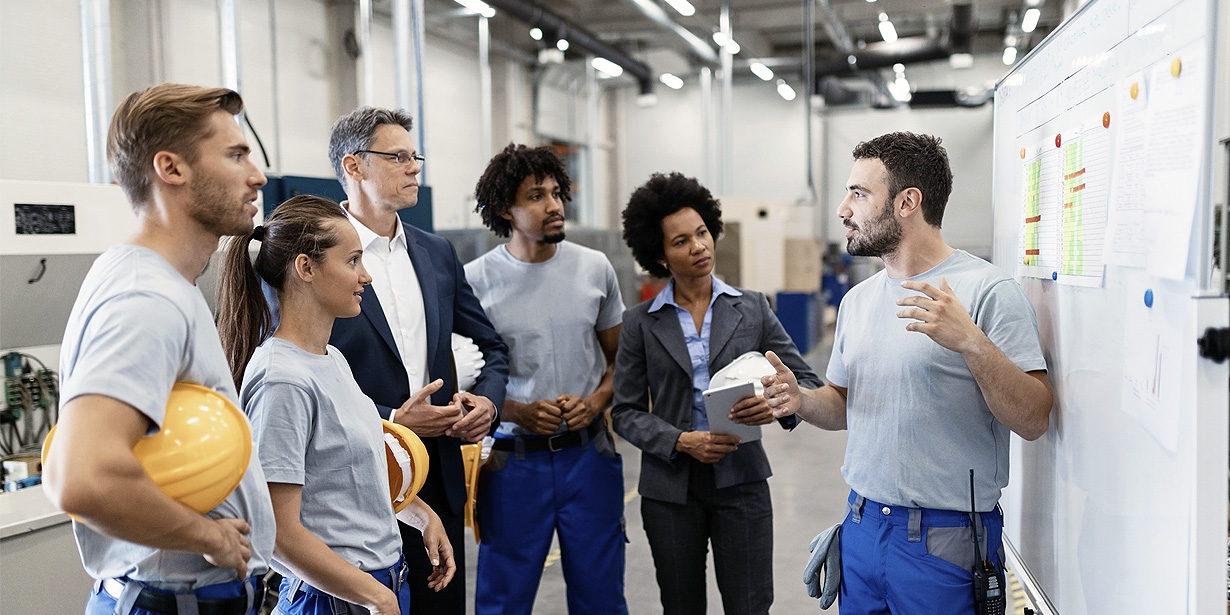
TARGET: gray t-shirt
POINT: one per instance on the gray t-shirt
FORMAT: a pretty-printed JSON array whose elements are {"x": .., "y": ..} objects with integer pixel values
[
  {"x": 918, "y": 422},
  {"x": 315, "y": 428},
  {"x": 137, "y": 328},
  {"x": 548, "y": 314}
]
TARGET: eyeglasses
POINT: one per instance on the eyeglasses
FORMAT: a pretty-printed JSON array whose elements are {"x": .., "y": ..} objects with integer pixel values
[{"x": 401, "y": 158}]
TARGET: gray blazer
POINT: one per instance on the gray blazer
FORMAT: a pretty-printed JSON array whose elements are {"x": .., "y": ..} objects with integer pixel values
[{"x": 653, "y": 388}]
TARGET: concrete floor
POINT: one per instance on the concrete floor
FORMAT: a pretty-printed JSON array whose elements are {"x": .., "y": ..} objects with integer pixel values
[{"x": 808, "y": 495}]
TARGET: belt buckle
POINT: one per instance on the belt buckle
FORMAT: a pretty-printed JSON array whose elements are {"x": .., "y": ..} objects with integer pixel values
[{"x": 556, "y": 438}]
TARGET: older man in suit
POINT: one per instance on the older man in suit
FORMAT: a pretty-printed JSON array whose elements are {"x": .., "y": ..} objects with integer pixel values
[
  {"x": 697, "y": 487},
  {"x": 400, "y": 346}
]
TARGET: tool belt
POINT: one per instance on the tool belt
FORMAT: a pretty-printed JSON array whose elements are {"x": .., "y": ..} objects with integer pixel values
[{"x": 553, "y": 443}]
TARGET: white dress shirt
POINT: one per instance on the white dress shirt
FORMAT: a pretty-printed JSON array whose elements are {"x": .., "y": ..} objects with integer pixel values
[{"x": 397, "y": 288}]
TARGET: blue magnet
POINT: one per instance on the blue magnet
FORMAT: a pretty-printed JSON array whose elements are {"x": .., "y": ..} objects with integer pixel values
[
  {"x": 1054, "y": 275},
  {"x": 1149, "y": 298}
]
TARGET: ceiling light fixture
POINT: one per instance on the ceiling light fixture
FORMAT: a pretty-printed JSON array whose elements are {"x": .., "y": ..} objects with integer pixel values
[
  {"x": 606, "y": 66},
  {"x": 536, "y": 34},
  {"x": 562, "y": 44},
  {"x": 684, "y": 7},
  {"x": 729, "y": 44},
  {"x": 1009, "y": 55},
  {"x": 784, "y": 90},
  {"x": 477, "y": 6},
  {"x": 1030, "y": 21},
  {"x": 671, "y": 81},
  {"x": 887, "y": 31},
  {"x": 760, "y": 70}
]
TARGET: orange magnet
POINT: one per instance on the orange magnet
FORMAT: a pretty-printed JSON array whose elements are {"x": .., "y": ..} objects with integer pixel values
[
  {"x": 1106, "y": 120},
  {"x": 1022, "y": 153}
]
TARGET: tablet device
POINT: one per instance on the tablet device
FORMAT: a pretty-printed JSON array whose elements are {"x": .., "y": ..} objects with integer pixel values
[{"x": 718, "y": 403}]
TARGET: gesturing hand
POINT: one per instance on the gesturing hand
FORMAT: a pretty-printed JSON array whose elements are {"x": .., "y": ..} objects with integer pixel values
[
  {"x": 479, "y": 412},
  {"x": 781, "y": 389},
  {"x": 424, "y": 419},
  {"x": 940, "y": 316}
]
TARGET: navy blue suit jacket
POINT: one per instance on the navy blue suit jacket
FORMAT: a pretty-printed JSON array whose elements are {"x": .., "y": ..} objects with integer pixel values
[{"x": 449, "y": 305}]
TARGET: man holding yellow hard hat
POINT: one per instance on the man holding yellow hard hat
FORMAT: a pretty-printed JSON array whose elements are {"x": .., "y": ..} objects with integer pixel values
[{"x": 139, "y": 326}]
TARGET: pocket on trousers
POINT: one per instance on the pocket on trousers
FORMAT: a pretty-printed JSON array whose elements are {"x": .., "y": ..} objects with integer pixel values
[{"x": 953, "y": 545}]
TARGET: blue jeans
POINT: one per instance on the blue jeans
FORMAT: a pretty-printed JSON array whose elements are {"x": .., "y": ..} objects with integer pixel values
[
  {"x": 890, "y": 567},
  {"x": 103, "y": 603},
  {"x": 575, "y": 491},
  {"x": 298, "y": 598}
]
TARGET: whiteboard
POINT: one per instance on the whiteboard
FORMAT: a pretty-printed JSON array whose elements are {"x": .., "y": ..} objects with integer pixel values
[{"x": 1104, "y": 150}]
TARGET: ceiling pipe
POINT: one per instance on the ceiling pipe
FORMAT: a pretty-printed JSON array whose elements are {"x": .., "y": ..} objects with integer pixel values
[
  {"x": 904, "y": 51},
  {"x": 697, "y": 45},
  {"x": 555, "y": 26}
]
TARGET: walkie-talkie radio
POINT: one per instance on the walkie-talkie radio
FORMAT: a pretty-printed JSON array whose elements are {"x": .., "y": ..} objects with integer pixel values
[{"x": 988, "y": 580}]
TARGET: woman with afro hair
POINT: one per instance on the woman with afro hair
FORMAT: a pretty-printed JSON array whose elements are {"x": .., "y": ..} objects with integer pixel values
[{"x": 697, "y": 487}]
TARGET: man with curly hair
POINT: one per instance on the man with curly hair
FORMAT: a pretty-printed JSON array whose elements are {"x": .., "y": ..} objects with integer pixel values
[
  {"x": 558, "y": 307},
  {"x": 697, "y": 487},
  {"x": 921, "y": 410}
]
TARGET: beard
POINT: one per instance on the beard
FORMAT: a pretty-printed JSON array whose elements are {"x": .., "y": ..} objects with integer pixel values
[
  {"x": 553, "y": 238},
  {"x": 219, "y": 208},
  {"x": 879, "y": 236}
]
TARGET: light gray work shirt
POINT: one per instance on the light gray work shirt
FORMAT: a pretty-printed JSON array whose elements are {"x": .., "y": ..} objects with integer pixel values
[
  {"x": 315, "y": 428},
  {"x": 918, "y": 422},
  {"x": 549, "y": 314},
  {"x": 137, "y": 328}
]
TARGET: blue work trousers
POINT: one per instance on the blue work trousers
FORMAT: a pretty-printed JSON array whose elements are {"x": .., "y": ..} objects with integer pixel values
[
  {"x": 891, "y": 565},
  {"x": 103, "y": 603},
  {"x": 576, "y": 492},
  {"x": 298, "y": 598}
]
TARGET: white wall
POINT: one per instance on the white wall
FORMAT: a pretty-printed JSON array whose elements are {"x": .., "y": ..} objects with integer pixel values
[
  {"x": 42, "y": 106},
  {"x": 966, "y": 135}
]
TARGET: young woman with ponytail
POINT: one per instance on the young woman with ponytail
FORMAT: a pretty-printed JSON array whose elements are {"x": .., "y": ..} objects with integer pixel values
[{"x": 318, "y": 437}]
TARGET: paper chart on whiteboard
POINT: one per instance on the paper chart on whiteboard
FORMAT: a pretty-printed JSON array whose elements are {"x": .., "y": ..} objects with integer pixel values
[{"x": 1066, "y": 185}]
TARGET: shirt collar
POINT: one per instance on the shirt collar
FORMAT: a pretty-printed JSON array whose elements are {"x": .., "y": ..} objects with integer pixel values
[
  {"x": 368, "y": 237},
  {"x": 667, "y": 294}
]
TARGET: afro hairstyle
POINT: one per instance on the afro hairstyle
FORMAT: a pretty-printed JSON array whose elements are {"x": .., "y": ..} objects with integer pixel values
[{"x": 660, "y": 197}]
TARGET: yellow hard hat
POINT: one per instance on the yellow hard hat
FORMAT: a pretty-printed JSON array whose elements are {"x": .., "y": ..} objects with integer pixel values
[
  {"x": 202, "y": 450},
  {"x": 408, "y": 463}
]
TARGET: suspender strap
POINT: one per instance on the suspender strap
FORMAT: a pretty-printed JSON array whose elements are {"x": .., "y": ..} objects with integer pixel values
[
  {"x": 128, "y": 598},
  {"x": 856, "y": 509},
  {"x": 185, "y": 604},
  {"x": 292, "y": 590},
  {"x": 249, "y": 593},
  {"x": 915, "y": 525}
]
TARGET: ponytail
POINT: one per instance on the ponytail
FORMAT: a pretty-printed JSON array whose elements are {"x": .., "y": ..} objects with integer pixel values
[{"x": 244, "y": 319}]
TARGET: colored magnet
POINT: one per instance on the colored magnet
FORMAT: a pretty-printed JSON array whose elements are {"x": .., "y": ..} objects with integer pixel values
[
  {"x": 1022, "y": 153},
  {"x": 1149, "y": 298},
  {"x": 1106, "y": 120},
  {"x": 1135, "y": 89},
  {"x": 1176, "y": 67},
  {"x": 1058, "y": 140},
  {"x": 1054, "y": 275}
]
